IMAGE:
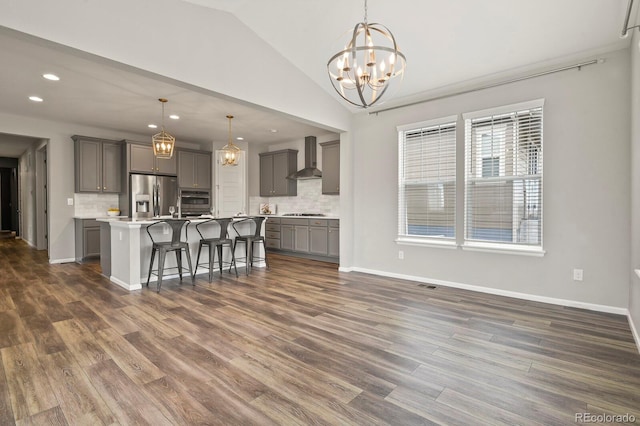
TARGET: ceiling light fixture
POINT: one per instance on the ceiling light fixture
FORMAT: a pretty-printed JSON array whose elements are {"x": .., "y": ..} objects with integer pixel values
[
  {"x": 174, "y": 117},
  {"x": 152, "y": 126},
  {"x": 361, "y": 73},
  {"x": 35, "y": 98},
  {"x": 163, "y": 142},
  {"x": 51, "y": 77},
  {"x": 230, "y": 152}
]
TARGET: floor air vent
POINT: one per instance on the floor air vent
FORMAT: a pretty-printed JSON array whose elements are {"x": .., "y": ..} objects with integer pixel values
[{"x": 429, "y": 286}]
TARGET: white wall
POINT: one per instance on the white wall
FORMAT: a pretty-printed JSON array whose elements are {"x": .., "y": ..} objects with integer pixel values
[
  {"x": 634, "y": 289},
  {"x": 60, "y": 162},
  {"x": 586, "y": 190}
]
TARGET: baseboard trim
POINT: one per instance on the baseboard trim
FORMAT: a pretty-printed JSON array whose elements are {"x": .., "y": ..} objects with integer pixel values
[
  {"x": 125, "y": 285},
  {"x": 68, "y": 260},
  {"x": 498, "y": 292},
  {"x": 634, "y": 331}
]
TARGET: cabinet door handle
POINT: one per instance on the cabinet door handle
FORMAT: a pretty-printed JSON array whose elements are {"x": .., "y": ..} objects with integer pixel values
[
  {"x": 97, "y": 187},
  {"x": 104, "y": 187}
]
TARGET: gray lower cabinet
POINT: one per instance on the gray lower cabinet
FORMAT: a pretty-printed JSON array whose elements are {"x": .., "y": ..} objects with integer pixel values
[
  {"x": 331, "y": 167},
  {"x": 301, "y": 240},
  {"x": 316, "y": 238},
  {"x": 287, "y": 237},
  {"x": 98, "y": 165},
  {"x": 333, "y": 239},
  {"x": 272, "y": 233},
  {"x": 87, "y": 239}
]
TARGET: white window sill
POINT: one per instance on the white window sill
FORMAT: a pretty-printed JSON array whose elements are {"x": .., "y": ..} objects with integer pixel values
[
  {"x": 424, "y": 242},
  {"x": 504, "y": 249}
]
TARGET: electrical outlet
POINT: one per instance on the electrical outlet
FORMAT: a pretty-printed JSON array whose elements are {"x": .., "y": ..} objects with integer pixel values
[
  {"x": 577, "y": 274},
  {"x": 69, "y": 201},
  {"x": 400, "y": 254}
]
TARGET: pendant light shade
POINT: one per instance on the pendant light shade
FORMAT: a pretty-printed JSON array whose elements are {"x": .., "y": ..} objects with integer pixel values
[
  {"x": 364, "y": 69},
  {"x": 163, "y": 142},
  {"x": 230, "y": 152}
]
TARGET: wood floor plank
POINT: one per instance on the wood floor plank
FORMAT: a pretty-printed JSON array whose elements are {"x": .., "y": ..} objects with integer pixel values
[
  {"x": 12, "y": 329},
  {"x": 45, "y": 337},
  {"x": 486, "y": 413},
  {"x": 138, "y": 368},
  {"x": 80, "y": 342},
  {"x": 182, "y": 407},
  {"x": 6, "y": 412},
  {"x": 130, "y": 404},
  {"x": 27, "y": 381},
  {"x": 53, "y": 417},
  {"x": 300, "y": 343},
  {"x": 79, "y": 400}
]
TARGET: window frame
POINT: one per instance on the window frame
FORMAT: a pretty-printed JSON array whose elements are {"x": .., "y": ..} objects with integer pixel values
[
  {"x": 496, "y": 246},
  {"x": 411, "y": 239},
  {"x": 461, "y": 192}
]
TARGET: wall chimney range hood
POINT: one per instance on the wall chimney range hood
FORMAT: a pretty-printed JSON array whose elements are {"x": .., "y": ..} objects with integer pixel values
[{"x": 310, "y": 170}]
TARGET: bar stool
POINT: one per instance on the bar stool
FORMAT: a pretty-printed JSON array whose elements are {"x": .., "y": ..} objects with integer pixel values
[
  {"x": 175, "y": 245},
  {"x": 249, "y": 239},
  {"x": 215, "y": 244}
]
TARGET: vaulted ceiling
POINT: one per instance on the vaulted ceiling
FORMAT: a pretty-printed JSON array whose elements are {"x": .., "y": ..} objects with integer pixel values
[{"x": 446, "y": 43}]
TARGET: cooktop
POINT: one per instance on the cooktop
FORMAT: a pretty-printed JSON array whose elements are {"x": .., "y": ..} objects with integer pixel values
[{"x": 303, "y": 214}]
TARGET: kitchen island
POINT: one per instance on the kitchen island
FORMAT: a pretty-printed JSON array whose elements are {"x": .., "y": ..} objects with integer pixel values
[{"x": 126, "y": 248}]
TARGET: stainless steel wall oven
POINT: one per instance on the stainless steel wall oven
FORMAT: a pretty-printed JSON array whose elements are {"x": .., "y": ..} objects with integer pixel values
[{"x": 194, "y": 203}]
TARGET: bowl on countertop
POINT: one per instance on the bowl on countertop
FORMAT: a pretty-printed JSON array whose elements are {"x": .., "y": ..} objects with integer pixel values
[{"x": 113, "y": 213}]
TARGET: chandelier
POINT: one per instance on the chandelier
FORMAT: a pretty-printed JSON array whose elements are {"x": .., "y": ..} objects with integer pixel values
[
  {"x": 230, "y": 152},
  {"x": 361, "y": 73},
  {"x": 163, "y": 142}
]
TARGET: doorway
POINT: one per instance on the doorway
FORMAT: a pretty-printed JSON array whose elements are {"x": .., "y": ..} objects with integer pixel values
[{"x": 9, "y": 223}]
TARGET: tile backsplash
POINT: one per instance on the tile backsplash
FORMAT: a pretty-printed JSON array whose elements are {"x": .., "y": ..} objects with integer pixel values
[
  {"x": 94, "y": 205},
  {"x": 309, "y": 200}
]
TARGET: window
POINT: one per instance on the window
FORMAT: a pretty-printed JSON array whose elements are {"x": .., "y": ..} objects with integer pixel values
[
  {"x": 503, "y": 175},
  {"x": 427, "y": 180},
  {"x": 502, "y": 191}
]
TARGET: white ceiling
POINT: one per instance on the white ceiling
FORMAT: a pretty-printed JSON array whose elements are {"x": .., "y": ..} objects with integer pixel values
[{"x": 445, "y": 42}]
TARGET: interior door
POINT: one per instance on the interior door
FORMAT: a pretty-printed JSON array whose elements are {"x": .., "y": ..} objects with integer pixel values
[{"x": 231, "y": 187}]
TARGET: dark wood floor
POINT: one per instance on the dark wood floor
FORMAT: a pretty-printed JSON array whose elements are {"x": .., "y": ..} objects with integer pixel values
[{"x": 299, "y": 344}]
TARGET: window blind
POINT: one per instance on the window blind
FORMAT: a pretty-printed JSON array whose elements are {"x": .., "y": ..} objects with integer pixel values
[
  {"x": 427, "y": 180},
  {"x": 503, "y": 178}
]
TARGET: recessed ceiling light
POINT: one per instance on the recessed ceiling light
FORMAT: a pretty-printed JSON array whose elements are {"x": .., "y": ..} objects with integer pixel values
[
  {"x": 174, "y": 117},
  {"x": 152, "y": 126},
  {"x": 51, "y": 77},
  {"x": 35, "y": 98},
  {"x": 240, "y": 138},
  {"x": 273, "y": 130}
]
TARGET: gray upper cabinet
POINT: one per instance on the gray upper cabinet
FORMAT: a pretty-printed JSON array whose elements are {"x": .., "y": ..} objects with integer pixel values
[
  {"x": 142, "y": 160},
  {"x": 274, "y": 168},
  {"x": 331, "y": 167},
  {"x": 194, "y": 170},
  {"x": 98, "y": 165}
]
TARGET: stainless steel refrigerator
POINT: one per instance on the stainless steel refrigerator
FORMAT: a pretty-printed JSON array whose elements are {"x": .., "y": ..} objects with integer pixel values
[{"x": 152, "y": 196}]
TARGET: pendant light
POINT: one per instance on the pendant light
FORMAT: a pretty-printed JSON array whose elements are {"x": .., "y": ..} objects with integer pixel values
[
  {"x": 363, "y": 71},
  {"x": 230, "y": 152},
  {"x": 163, "y": 142}
]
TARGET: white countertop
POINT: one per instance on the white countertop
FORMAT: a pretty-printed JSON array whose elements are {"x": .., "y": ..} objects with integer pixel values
[
  {"x": 149, "y": 220},
  {"x": 97, "y": 217},
  {"x": 284, "y": 216}
]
